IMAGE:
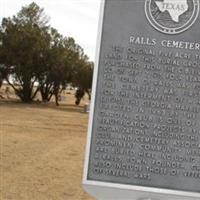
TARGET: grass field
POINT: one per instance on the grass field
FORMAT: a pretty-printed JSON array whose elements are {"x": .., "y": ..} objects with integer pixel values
[{"x": 42, "y": 151}]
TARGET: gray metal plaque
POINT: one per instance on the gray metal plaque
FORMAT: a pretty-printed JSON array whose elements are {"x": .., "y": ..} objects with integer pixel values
[{"x": 146, "y": 121}]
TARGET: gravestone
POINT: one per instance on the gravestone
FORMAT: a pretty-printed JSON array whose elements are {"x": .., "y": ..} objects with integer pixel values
[{"x": 144, "y": 129}]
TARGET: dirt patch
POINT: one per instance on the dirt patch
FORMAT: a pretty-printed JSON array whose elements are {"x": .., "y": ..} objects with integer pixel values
[{"x": 42, "y": 151}]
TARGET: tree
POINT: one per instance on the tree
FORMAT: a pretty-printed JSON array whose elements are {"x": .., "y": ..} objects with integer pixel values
[
  {"x": 24, "y": 40},
  {"x": 60, "y": 60},
  {"x": 82, "y": 78},
  {"x": 53, "y": 57},
  {"x": 33, "y": 52}
]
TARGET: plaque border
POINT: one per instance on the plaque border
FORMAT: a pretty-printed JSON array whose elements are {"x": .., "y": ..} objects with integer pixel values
[{"x": 92, "y": 185}]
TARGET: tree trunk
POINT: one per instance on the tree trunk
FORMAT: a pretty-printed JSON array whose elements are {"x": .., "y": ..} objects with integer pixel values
[
  {"x": 46, "y": 92},
  {"x": 56, "y": 93},
  {"x": 26, "y": 94}
]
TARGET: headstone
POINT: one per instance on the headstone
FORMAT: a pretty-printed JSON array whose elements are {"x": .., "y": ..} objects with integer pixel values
[
  {"x": 144, "y": 130},
  {"x": 63, "y": 98},
  {"x": 86, "y": 108}
]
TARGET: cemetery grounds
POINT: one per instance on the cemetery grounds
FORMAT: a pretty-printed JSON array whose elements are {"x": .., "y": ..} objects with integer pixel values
[{"x": 42, "y": 149}]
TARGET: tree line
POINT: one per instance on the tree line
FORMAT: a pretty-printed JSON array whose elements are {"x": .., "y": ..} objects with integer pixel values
[{"x": 38, "y": 58}]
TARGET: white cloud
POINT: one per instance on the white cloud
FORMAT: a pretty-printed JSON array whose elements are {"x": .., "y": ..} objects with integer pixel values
[{"x": 74, "y": 18}]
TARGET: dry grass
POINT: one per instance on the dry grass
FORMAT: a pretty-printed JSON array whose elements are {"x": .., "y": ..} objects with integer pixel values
[{"x": 42, "y": 151}]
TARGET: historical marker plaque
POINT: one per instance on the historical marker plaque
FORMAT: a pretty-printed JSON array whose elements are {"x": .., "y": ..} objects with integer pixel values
[{"x": 146, "y": 112}]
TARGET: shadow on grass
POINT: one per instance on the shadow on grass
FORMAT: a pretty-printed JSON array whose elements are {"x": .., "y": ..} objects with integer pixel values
[
  {"x": 68, "y": 107},
  {"x": 50, "y": 105}
]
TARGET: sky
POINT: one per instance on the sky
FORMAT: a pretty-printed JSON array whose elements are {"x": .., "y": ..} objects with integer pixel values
[{"x": 72, "y": 18}]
